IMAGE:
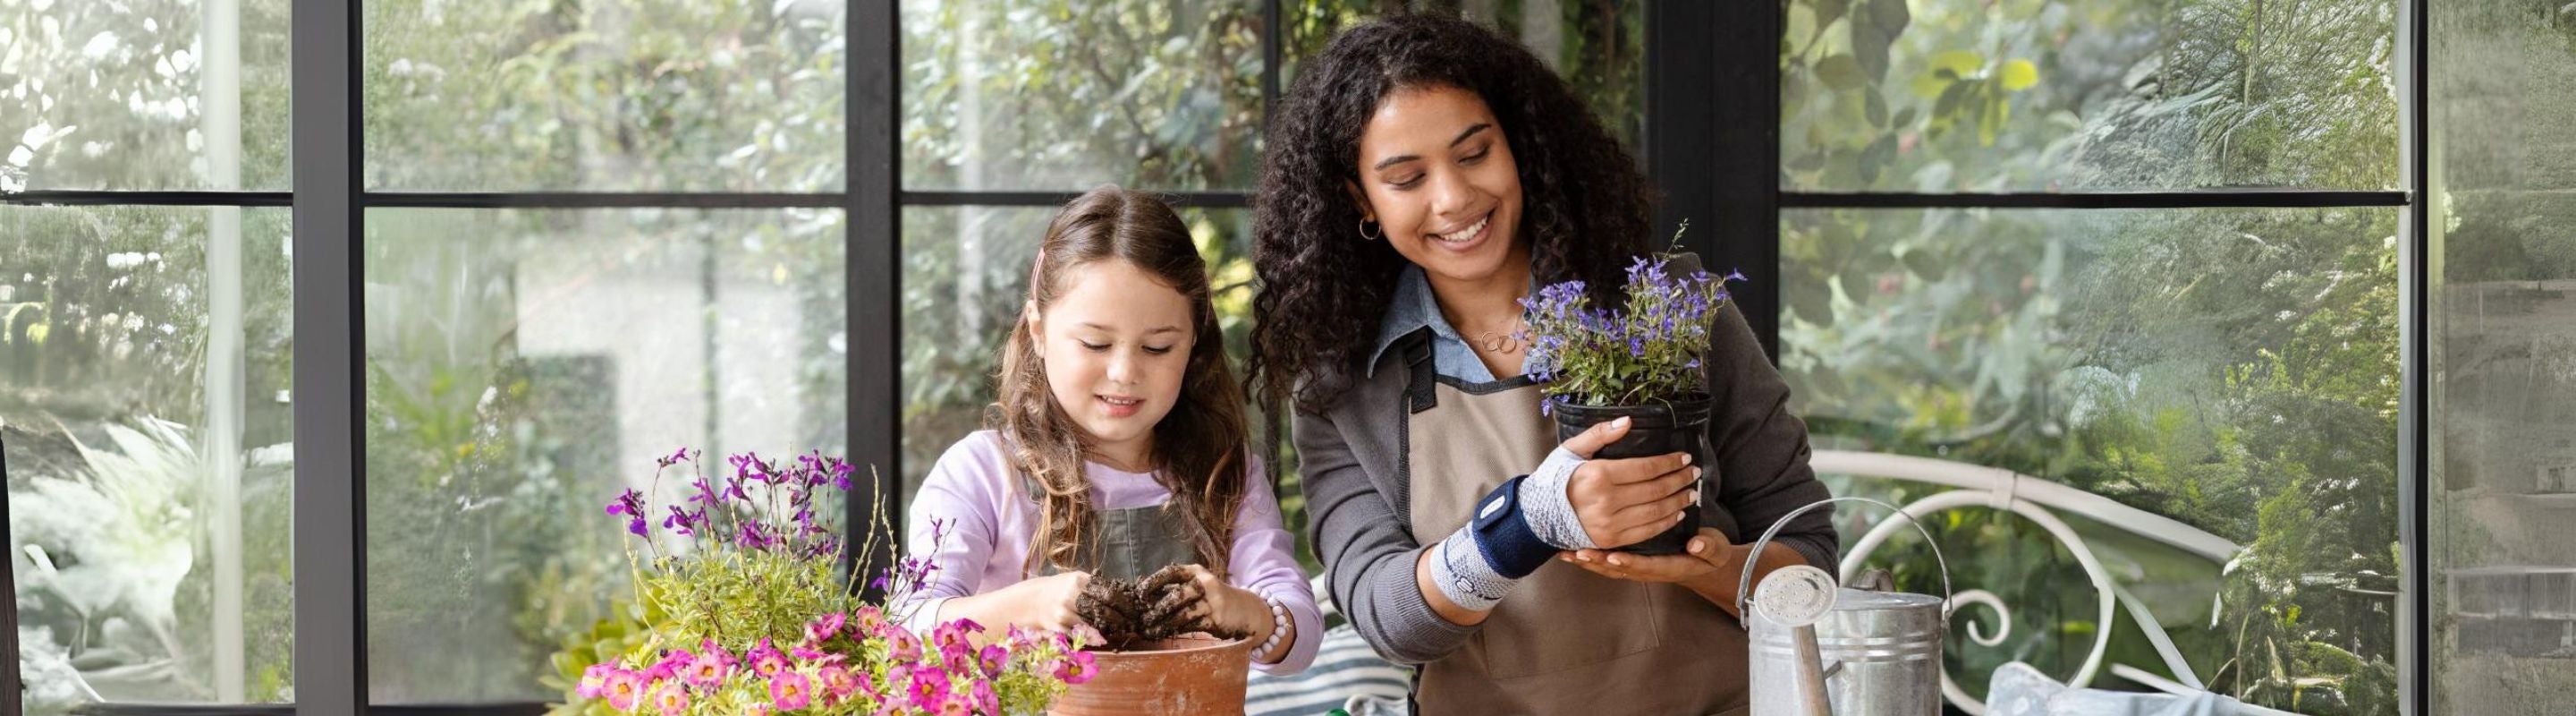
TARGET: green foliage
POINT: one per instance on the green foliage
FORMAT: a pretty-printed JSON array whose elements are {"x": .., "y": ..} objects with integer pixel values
[{"x": 2233, "y": 369}]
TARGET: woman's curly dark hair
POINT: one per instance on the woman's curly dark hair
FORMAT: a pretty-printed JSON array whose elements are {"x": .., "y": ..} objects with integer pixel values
[{"x": 1323, "y": 288}]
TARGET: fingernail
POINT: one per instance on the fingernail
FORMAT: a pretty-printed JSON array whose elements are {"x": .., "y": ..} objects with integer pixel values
[
  {"x": 1582, "y": 558},
  {"x": 1615, "y": 561},
  {"x": 1620, "y": 423},
  {"x": 1694, "y": 498}
]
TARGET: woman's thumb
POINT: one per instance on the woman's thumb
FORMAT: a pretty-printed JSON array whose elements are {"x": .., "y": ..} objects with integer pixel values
[{"x": 1600, "y": 435}]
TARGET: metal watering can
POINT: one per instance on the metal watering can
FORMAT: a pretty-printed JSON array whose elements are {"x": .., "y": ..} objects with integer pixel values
[{"x": 1823, "y": 649}]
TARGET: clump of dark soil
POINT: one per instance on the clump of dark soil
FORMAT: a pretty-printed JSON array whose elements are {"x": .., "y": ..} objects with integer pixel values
[{"x": 1161, "y": 606}]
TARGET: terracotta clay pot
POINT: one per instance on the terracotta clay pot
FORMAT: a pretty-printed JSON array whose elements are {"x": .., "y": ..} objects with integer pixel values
[{"x": 1194, "y": 674}]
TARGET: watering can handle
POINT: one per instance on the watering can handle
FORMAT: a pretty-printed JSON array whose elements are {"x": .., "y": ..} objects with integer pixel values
[{"x": 1744, "y": 585}]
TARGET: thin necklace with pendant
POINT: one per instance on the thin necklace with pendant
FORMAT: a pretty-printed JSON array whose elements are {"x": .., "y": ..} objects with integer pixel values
[{"x": 1507, "y": 342}]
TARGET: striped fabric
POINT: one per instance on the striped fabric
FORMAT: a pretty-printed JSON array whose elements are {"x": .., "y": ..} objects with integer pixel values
[{"x": 1347, "y": 675}]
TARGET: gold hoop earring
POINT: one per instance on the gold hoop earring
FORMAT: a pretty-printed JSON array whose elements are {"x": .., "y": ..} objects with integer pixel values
[{"x": 1364, "y": 231}]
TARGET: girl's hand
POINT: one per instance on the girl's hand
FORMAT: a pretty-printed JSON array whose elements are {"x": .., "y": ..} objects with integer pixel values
[
  {"x": 1200, "y": 598},
  {"x": 1048, "y": 603},
  {"x": 1625, "y": 501}
]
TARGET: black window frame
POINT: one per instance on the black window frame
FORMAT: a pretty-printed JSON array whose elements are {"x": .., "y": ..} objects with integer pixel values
[{"x": 1711, "y": 144}]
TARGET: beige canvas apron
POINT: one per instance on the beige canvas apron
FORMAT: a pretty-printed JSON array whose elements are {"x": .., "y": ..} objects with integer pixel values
[{"x": 1566, "y": 641}]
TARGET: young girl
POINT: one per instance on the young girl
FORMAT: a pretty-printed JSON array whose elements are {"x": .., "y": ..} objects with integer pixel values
[{"x": 1117, "y": 449}]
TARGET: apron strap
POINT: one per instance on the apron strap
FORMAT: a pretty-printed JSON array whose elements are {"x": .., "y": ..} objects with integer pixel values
[{"x": 1421, "y": 391}]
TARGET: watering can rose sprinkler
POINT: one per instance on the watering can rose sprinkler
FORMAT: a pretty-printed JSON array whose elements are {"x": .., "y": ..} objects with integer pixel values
[{"x": 1822, "y": 649}]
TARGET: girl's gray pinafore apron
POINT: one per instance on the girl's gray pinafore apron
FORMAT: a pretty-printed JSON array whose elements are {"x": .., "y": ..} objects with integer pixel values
[
  {"x": 1566, "y": 641},
  {"x": 1134, "y": 542}
]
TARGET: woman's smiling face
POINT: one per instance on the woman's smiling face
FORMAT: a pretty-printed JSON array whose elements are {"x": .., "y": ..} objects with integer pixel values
[{"x": 1437, "y": 176}]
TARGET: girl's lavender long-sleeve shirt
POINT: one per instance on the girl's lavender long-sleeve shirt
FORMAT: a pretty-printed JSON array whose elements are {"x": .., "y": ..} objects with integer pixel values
[{"x": 990, "y": 520}]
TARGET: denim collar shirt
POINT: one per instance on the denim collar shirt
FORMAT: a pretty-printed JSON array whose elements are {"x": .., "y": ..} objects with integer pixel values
[{"x": 1413, "y": 309}]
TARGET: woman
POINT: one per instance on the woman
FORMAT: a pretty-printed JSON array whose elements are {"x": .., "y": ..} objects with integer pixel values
[{"x": 1423, "y": 176}]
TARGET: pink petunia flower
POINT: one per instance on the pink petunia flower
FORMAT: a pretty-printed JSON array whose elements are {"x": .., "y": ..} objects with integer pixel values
[
  {"x": 994, "y": 658},
  {"x": 766, "y": 660},
  {"x": 672, "y": 698},
  {"x": 623, "y": 689},
  {"x": 594, "y": 680},
  {"x": 825, "y": 628},
  {"x": 839, "y": 682},
  {"x": 870, "y": 620},
  {"x": 983, "y": 697},
  {"x": 708, "y": 670},
  {"x": 904, "y": 647},
  {"x": 1076, "y": 668},
  {"x": 790, "y": 691},
  {"x": 929, "y": 688}
]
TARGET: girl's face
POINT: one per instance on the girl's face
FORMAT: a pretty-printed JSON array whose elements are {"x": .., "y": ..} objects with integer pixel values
[
  {"x": 1115, "y": 346},
  {"x": 1439, "y": 180}
]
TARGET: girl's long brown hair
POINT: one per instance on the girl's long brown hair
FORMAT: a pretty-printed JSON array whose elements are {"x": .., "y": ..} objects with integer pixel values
[{"x": 1198, "y": 452}]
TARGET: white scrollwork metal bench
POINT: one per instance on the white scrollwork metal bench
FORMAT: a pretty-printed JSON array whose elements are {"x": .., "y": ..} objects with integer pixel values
[{"x": 2040, "y": 501}]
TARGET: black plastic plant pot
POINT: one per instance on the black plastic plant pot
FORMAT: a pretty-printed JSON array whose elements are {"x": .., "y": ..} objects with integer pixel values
[{"x": 1656, "y": 429}]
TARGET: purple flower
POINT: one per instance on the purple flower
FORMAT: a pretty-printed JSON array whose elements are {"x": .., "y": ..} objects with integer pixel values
[
  {"x": 684, "y": 522},
  {"x": 753, "y": 536},
  {"x": 627, "y": 503}
]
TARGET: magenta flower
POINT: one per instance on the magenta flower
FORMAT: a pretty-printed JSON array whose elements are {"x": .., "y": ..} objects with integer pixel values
[
  {"x": 1076, "y": 668},
  {"x": 903, "y": 647},
  {"x": 594, "y": 680},
  {"x": 707, "y": 670},
  {"x": 983, "y": 697},
  {"x": 839, "y": 683},
  {"x": 672, "y": 698},
  {"x": 929, "y": 687},
  {"x": 623, "y": 689},
  {"x": 766, "y": 660},
  {"x": 995, "y": 657},
  {"x": 825, "y": 628},
  {"x": 673, "y": 662},
  {"x": 790, "y": 691}
]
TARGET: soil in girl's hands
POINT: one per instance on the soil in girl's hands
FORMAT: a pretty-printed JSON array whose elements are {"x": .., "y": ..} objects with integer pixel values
[{"x": 1162, "y": 606}]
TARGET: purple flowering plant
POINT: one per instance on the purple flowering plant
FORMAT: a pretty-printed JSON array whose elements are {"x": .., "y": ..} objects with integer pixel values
[
  {"x": 1644, "y": 352},
  {"x": 742, "y": 612}
]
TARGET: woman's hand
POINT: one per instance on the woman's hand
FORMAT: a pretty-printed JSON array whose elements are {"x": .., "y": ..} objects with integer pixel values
[
  {"x": 1206, "y": 602},
  {"x": 1707, "y": 554},
  {"x": 1625, "y": 501}
]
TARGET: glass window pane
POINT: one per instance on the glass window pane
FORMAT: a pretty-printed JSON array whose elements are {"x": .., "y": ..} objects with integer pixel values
[
  {"x": 2039, "y": 95},
  {"x": 1049, "y": 95},
  {"x": 1599, "y": 47},
  {"x": 966, "y": 272},
  {"x": 144, "y": 405},
  {"x": 604, "y": 95},
  {"x": 147, "y": 95},
  {"x": 523, "y": 367},
  {"x": 2502, "y": 390},
  {"x": 2233, "y": 370}
]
